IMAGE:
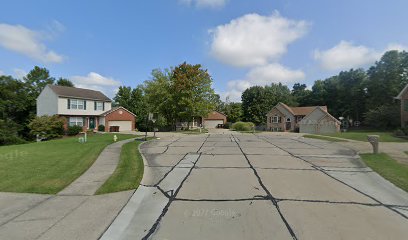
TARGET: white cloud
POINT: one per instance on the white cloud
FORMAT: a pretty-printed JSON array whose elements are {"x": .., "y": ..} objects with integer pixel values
[
  {"x": 96, "y": 81},
  {"x": 347, "y": 55},
  {"x": 253, "y": 39},
  {"x": 261, "y": 76},
  {"x": 205, "y": 3},
  {"x": 2, "y": 73},
  {"x": 20, "y": 73},
  {"x": 25, "y": 41}
]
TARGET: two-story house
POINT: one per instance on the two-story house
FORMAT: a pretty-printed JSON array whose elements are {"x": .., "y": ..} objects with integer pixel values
[
  {"x": 315, "y": 119},
  {"x": 84, "y": 107}
]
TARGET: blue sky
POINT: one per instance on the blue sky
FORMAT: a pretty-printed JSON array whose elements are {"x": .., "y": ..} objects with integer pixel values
[{"x": 103, "y": 44}]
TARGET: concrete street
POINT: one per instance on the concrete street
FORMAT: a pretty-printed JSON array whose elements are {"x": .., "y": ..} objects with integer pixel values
[{"x": 266, "y": 186}]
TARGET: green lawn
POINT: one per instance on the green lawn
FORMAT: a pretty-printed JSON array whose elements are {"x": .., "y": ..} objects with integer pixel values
[
  {"x": 324, "y": 138},
  {"x": 48, "y": 167},
  {"x": 129, "y": 171},
  {"x": 388, "y": 168},
  {"x": 361, "y": 135}
]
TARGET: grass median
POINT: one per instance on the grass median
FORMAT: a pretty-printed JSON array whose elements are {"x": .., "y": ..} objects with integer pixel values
[
  {"x": 388, "y": 168},
  {"x": 129, "y": 171},
  {"x": 361, "y": 135},
  {"x": 324, "y": 138},
  {"x": 48, "y": 167}
]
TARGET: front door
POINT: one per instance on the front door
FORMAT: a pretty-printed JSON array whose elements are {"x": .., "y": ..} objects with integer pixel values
[
  {"x": 91, "y": 123},
  {"x": 288, "y": 126}
]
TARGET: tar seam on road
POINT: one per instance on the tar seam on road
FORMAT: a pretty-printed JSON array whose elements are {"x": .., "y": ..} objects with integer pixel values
[
  {"x": 171, "y": 199},
  {"x": 324, "y": 172},
  {"x": 273, "y": 200}
]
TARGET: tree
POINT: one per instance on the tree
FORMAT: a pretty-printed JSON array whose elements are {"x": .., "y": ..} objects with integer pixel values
[
  {"x": 124, "y": 97},
  {"x": 65, "y": 82},
  {"x": 37, "y": 79},
  {"x": 159, "y": 97},
  {"x": 301, "y": 94},
  {"x": 192, "y": 92},
  {"x": 257, "y": 101}
]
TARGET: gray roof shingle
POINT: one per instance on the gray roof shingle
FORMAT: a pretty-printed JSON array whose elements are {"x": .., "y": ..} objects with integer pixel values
[{"x": 74, "y": 92}]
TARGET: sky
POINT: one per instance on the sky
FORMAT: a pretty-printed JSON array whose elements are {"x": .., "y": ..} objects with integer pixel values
[{"x": 106, "y": 44}]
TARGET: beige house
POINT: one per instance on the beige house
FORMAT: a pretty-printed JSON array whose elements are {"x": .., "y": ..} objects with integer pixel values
[
  {"x": 83, "y": 107},
  {"x": 315, "y": 119},
  {"x": 403, "y": 96}
]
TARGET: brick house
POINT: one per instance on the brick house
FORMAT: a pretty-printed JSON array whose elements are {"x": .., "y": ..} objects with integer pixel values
[
  {"x": 403, "y": 97},
  {"x": 314, "y": 119},
  {"x": 83, "y": 107}
]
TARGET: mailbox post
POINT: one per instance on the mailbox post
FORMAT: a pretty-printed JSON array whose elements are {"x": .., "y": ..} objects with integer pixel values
[{"x": 374, "y": 140}]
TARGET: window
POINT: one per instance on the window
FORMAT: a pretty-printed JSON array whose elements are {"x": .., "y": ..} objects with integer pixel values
[
  {"x": 275, "y": 119},
  {"x": 76, "y": 104},
  {"x": 288, "y": 120},
  {"x": 76, "y": 121},
  {"x": 99, "y": 106},
  {"x": 406, "y": 105}
]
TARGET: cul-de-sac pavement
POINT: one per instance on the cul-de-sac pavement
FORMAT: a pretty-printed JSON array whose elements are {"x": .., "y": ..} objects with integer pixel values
[
  {"x": 221, "y": 185},
  {"x": 266, "y": 186}
]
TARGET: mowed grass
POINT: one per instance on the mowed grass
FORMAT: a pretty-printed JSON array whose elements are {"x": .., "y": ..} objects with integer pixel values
[
  {"x": 129, "y": 171},
  {"x": 324, "y": 138},
  {"x": 48, "y": 167},
  {"x": 361, "y": 135},
  {"x": 388, "y": 168}
]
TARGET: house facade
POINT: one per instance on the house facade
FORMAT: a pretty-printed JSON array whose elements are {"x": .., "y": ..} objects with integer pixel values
[
  {"x": 283, "y": 118},
  {"x": 83, "y": 107},
  {"x": 403, "y": 97},
  {"x": 210, "y": 121}
]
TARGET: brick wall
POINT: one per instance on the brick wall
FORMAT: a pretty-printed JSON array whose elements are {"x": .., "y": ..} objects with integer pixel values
[
  {"x": 216, "y": 116},
  {"x": 119, "y": 115},
  {"x": 270, "y": 125}
]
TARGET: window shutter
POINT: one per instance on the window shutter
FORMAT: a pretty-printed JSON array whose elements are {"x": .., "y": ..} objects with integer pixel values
[
  {"x": 95, "y": 105},
  {"x": 69, "y": 104},
  {"x": 84, "y": 104},
  {"x": 103, "y": 106}
]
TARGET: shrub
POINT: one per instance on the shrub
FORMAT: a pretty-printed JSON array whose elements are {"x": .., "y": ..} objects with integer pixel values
[
  {"x": 101, "y": 128},
  {"x": 399, "y": 133},
  {"x": 47, "y": 127},
  {"x": 9, "y": 133},
  {"x": 74, "y": 130},
  {"x": 243, "y": 126},
  {"x": 383, "y": 117}
]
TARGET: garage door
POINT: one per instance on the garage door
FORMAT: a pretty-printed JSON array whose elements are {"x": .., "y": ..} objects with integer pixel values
[
  {"x": 123, "y": 125},
  {"x": 307, "y": 128},
  {"x": 212, "y": 123}
]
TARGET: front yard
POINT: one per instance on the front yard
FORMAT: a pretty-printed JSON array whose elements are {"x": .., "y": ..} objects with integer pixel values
[
  {"x": 48, "y": 167},
  {"x": 361, "y": 135},
  {"x": 388, "y": 168}
]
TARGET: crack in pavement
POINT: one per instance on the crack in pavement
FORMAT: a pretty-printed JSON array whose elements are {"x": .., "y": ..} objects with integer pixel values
[
  {"x": 348, "y": 185},
  {"x": 269, "y": 194},
  {"x": 173, "y": 196}
]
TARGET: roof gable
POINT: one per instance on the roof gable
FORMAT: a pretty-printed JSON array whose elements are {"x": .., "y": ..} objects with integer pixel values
[
  {"x": 402, "y": 92},
  {"x": 114, "y": 109},
  {"x": 317, "y": 114},
  {"x": 73, "y": 92}
]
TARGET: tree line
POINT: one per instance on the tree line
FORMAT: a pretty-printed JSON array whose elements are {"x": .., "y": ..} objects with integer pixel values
[
  {"x": 361, "y": 95},
  {"x": 18, "y": 103}
]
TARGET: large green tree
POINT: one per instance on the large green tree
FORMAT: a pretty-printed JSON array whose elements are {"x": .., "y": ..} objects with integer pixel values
[
  {"x": 257, "y": 101},
  {"x": 65, "y": 82},
  {"x": 192, "y": 93}
]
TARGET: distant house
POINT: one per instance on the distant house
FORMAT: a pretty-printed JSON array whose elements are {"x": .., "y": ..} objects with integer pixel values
[
  {"x": 403, "y": 96},
  {"x": 84, "y": 107},
  {"x": 316, "y": 119},
  {"x": 210, "y": 121}
]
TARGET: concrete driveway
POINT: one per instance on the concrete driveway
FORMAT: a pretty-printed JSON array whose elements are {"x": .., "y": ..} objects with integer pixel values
[{"x": 266, "y": 186}]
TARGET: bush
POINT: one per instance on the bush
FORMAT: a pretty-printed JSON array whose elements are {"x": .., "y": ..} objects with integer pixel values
[
  {"x": 9, "y": 133},
  {"x": 101, "y": 128},
  {"x": 384, "y": 117},
  {"x": 399, "y": 133},
  {"x": 74, "y": 130},
  {"x": 47, "y": 127},
  {"x": 243, "y": 126}
]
